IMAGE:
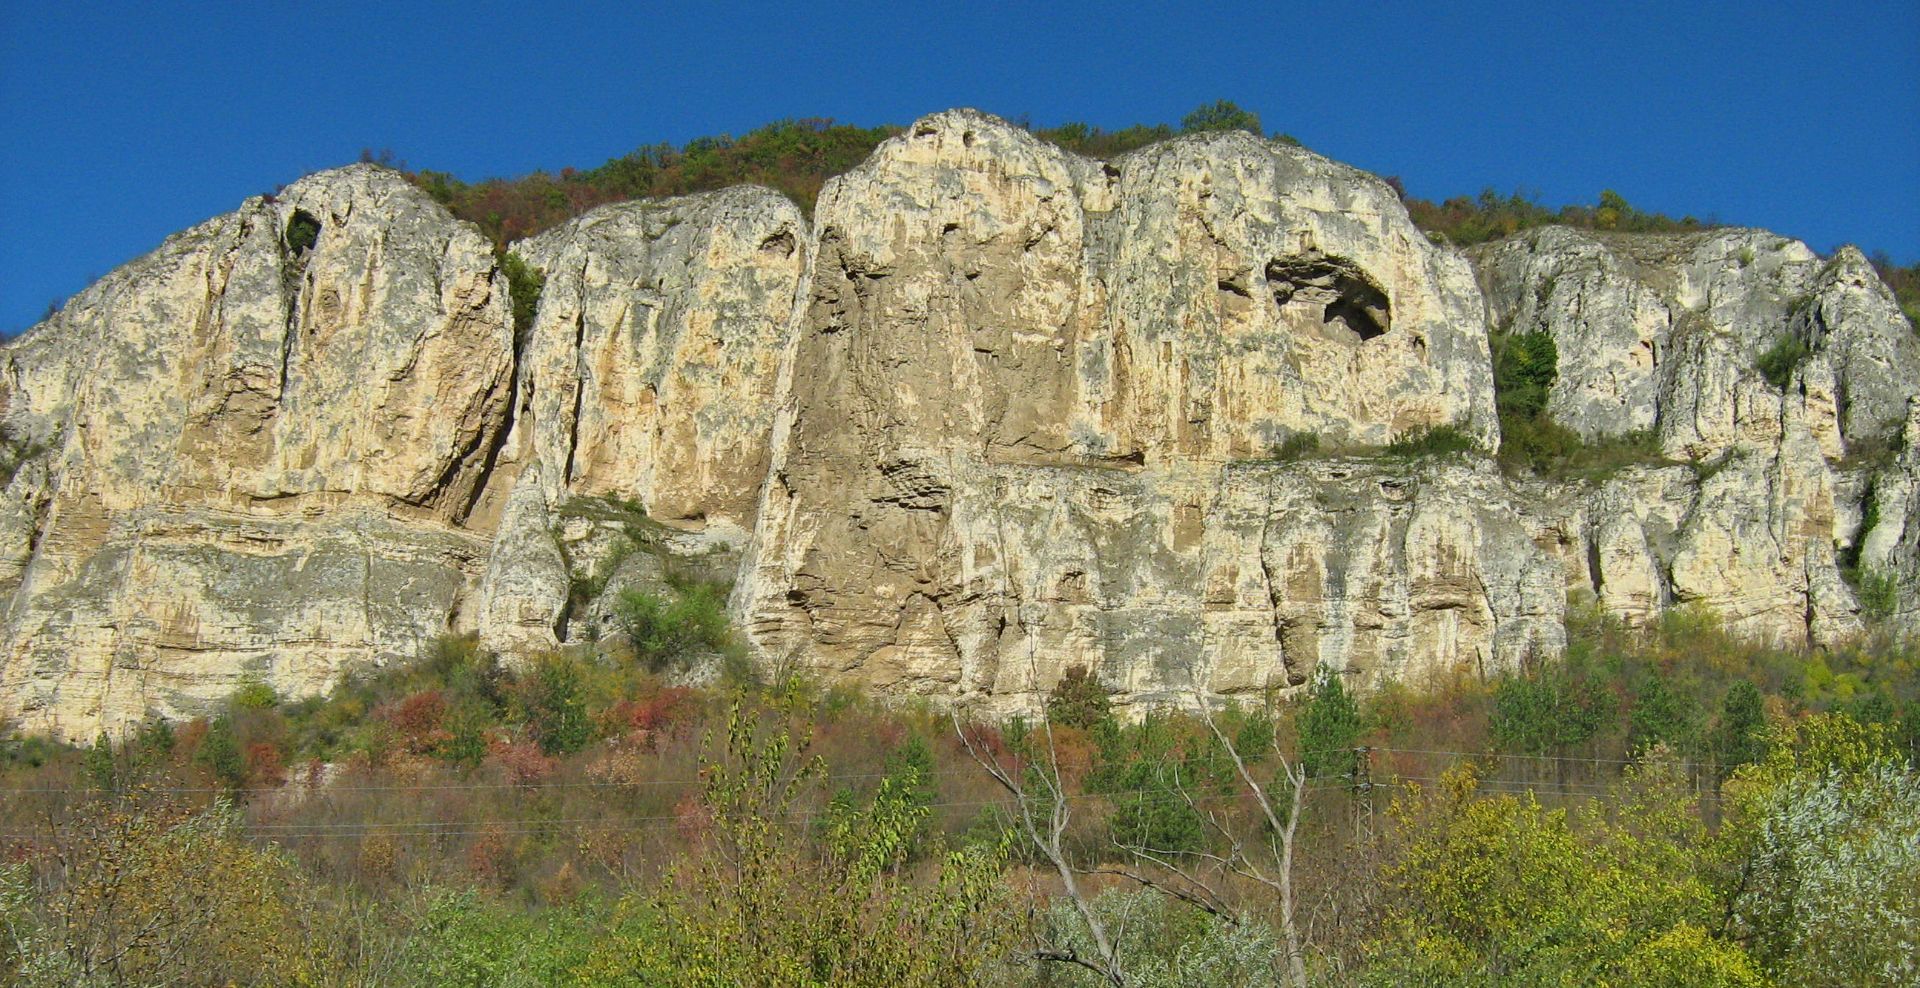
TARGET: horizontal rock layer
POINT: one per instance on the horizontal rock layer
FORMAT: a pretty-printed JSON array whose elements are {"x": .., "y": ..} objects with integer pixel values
[{"x": 997, "y": 411}]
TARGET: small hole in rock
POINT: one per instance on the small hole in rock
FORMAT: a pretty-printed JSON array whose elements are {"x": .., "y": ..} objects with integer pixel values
[
  {"x": 1357, "y": 315},
  {"x": 303, "y": 231},
  {"x": 781, "y": 242}
]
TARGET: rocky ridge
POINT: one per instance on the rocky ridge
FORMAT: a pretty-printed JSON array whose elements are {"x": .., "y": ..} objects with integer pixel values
[{"x": 997, "y": 410}]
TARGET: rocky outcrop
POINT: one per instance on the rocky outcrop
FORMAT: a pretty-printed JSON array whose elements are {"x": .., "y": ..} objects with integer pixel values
[
  {"x": 1023, "y": 380},
  {"x": 1888, "y": 540},
  {"x": 1663, "y": 332},
  {"x": 647, "y": 399},
  {"x": 254, "y": 448},
  {"x": 999, "y": 410},
  {"x": 653, "y": 358},
  {"x": 1666, "y": 334}
]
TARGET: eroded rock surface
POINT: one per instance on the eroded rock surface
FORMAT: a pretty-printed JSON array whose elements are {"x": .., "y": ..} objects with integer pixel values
[
  {"x": 1666, "y": 334},
  {"x": 1024, "y": 383},
  {"x": 997, "y": 411},
  {"x": 254, "y": 449}
]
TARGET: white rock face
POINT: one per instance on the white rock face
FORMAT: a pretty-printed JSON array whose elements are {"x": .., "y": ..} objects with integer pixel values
[
  {"x": 1024, "y": 385},
  {"x": 1664, "y": 333},
  {"x": 523, "y": 596},
  {"x": 1890, "y": 545},
  {"x": 1001, "y": 411},
  {"x": 654, "y": 356},
  {"x": 257, "y": 455}
]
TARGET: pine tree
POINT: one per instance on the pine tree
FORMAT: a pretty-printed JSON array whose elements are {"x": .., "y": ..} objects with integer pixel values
[
  {"x": 101, "y": 770},
  {"x": 1329, "y": 728},
  {"x": 1741, "y": 737}
]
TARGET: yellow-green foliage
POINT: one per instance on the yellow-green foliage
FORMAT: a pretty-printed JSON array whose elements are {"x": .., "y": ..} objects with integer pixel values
[
  {"x": 1781, "y": 359},
  {"x": 1822, "y": 851},
  {"x": 578, "y": 821},
  {"x": 524, "y": 286},
  {"x": 672, "y": 632},
  {"x": 1499, "y": 889},
  {"x": 1439, "y": 440},
  {"x": 144, "y": 892}
]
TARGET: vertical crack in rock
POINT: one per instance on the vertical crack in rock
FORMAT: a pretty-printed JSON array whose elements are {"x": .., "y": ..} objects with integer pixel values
[
  {"x": 303, "y": 232},
  {"x": 503, "y": 431},
  {"x": 1272, "y": 594},
  {"x": 582, "y": 374}
]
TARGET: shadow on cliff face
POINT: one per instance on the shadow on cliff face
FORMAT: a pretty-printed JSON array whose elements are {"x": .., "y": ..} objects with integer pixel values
[{"x": 1346, "y": 297}]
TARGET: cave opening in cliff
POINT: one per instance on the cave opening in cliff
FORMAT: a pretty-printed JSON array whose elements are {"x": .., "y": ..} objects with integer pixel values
[
  {"x": 1348, "y": 304},
  {"x": 303, "y": 231}
]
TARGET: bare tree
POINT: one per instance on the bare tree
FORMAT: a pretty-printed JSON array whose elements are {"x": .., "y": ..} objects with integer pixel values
[
  {"x": 1199, "y": 878},
  {"x": 1042, "y": 820}
]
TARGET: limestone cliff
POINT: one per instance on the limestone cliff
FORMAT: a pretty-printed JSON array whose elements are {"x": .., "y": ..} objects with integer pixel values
[
  {"x": 1665, "y": 334},
  {"x": 255, "y": 447},
  {"x": 996, "y": 411},
  {"x": 1024, "y": 384},
  {"x": 649, "y": 378}
]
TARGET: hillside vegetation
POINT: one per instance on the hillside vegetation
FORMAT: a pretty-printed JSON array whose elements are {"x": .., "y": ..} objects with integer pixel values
[{"x": 1664, "y": 806}]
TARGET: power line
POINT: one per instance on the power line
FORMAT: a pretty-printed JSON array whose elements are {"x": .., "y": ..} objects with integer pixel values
[
  {"x": 437, "y": 828},
  {"x": 325, "y": 788},
  {"x": 447, "y": 828}
]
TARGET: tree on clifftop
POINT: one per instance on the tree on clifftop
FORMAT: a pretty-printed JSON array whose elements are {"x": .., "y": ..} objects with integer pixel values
[{"x": 1221, "y": 115}]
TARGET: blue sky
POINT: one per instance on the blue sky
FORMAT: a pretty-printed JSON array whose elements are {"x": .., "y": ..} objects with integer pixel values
[{"x": 125, "y": 122}]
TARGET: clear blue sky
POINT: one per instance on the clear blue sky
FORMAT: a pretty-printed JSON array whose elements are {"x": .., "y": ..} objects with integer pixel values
[{"x": 125, "y": 122}]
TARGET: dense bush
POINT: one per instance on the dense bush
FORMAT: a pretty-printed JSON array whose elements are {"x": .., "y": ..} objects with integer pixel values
[
  {"x": 1438, "y": 440},
  {"x": 665, "y": 633},
  {"x": 524, "y": 285},
  {"x": 1172, "y": 945},
  {"x": 1525, "y": 365},
  {"x": 1221, "y": 115},
  {"x": 1467, "y": 220},
  {"x": 1823, "y": 840},
  {"x": 1499, "y": 889},
  {"x": 1780, "y": 360},
  {"x": 1548, "y": 711},
  {"x": 1079, "y": 700},
  {"x": 1878, "y": 592},
  {"x": 158, "y": 894},
  {"x": 1330, "y": 729},
  {"x": 555, "y": 704},
  {"x": 303, "y": 231}
]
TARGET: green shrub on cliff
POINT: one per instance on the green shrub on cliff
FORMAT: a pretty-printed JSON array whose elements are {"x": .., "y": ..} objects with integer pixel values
[
  {"x": 525, "y": 283},
  {"x": 1439, "y": 440},
  {"x": 1221, "y": 115},
  {"x": 667, "y": 633},
  {"x": 1781, "y": 359}
]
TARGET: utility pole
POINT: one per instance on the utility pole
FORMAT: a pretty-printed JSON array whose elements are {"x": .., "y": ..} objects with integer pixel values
[{"x": 1363, "y": 822}]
